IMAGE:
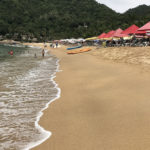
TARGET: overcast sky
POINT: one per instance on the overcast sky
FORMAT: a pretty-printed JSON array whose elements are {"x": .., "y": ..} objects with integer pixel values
[{"x": 123, "y": 5}]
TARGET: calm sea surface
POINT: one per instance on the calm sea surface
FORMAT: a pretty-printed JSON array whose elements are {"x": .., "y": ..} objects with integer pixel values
[{"x": 26, "y": 88}]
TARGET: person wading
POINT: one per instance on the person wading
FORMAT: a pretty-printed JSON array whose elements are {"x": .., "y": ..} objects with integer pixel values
[
  {"x": 11, "y": 52},
  {"x": 43, "y": 53}
]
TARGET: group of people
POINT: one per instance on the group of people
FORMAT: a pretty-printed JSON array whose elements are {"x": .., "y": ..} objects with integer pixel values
[
  {"x": 132, "y": 42},
  {"x": 43, "y": 54},
  {"x": 54, "y": 45},
  {"x": 11, "y": 52}
]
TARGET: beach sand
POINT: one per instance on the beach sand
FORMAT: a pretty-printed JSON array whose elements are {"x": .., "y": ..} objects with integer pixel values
[{"x": 104, "y": 103}]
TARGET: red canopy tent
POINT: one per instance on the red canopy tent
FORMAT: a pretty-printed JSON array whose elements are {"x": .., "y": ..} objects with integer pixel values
[
  {"x": 145, "y": 27},
  {"x": 131, "y": 30},
  {"x": 140, "y": 32},
  {"x": 109, "y": 34},
  {"x": 122, "y": 35},
  {"x": 118, "y": 33},
  {"x": 102, "y": 35}
]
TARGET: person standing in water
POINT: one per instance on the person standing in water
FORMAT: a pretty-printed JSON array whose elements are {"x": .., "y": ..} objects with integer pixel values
[
  {"x": 11, "y": 52},
  {"x": 43, "y": 53},
  {"x": 35, "y": 55}
]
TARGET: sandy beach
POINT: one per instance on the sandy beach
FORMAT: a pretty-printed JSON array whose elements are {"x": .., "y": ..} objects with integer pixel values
[{"x": 104, "y": 103}]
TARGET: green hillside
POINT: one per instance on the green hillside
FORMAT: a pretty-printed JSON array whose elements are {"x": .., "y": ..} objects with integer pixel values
[
  {"x": 56, "y": 19},
  {"x": 138, "y": 15}
]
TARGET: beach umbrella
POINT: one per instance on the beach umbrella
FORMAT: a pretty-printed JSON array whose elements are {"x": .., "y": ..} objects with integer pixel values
[
  {"x": 109, "y": 34},
  {"x": 122, "y": 35},
  {"x": 91, "y": 39},
  {"x": 145, "y": 27},
  {"x": 130, "y": 30},
  {"x": 117, "y": 33},
  {"x": 102, "y": 35},
  {"x": 140, "y": 32}
]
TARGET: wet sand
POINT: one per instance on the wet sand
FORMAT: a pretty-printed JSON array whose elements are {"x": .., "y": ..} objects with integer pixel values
[{"x": 104, "y": 105}]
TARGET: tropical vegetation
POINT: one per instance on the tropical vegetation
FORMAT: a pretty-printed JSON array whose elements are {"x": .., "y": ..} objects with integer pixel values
[{"x": 40, "y": 20}]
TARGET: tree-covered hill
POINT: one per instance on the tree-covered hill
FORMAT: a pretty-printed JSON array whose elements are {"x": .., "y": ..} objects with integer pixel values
[
  {"x": 55, "y": 19},
  {"x": 139, "y": 11},
  {"x": 138, "y": 15}
]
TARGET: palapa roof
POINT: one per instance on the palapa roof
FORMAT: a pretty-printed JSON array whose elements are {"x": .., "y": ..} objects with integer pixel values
[
  {"x": 145, "y": 27},
  {"x": 131, "y": 30},
  {"x": 101, "y": 35}
]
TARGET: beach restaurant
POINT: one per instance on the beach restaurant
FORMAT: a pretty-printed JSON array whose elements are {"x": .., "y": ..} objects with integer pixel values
[
  {"x": 130, "y": 31},
  {"x": 130, "y": 35}
]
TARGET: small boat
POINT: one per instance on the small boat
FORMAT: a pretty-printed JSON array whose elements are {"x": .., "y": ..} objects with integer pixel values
[
  {"x": 79, "y": 51},
  {"x": 70, "y": 48}
]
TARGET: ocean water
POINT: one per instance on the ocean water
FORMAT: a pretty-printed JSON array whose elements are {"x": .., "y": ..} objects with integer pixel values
[{"x": 26, "y": 89}]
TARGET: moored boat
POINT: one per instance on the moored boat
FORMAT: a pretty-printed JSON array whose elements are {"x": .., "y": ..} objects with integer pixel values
[
  {"x": 79, "y": 51},
  {"x": 75, "y": 47}
]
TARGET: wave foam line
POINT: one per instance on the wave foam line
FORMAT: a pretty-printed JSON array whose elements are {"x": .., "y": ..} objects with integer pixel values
[{"x": 47, "y": 134}]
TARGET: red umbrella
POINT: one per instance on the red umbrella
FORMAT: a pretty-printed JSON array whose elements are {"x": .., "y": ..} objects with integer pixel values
[
  {"x": 102, "y": 35},
  {"x": 145, "y": 27},
  {"x": 140, "y": 32},
  {"x": 131, "y": 30},
  {"x": 122, "y": 35},
  {"x": 117, "y": 32},
  {"x": 109, "y": 34}
]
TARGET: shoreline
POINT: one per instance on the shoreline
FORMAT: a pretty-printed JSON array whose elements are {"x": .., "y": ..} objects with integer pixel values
[
  {"x": 41, "y": 113},
  {"x": 100, "y": 104},
  {"x": 31, "y": 72}
]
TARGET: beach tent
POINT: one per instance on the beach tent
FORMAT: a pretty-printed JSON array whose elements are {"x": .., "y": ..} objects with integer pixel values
[
  {"x": 145, "y": 27},
  {"x": 140, "y": 32},
  {"x": 117, "y": 34},
  {"x": 122, "y": 35},
  {"x": 91, "y": 39},
  {"x": 109, "y": 34},
  {"x": 102, "y": 35},
  {"x": 131, "y": 30}
]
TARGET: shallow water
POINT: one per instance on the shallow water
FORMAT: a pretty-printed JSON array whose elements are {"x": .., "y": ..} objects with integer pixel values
[{"x": 26, "y": 87}]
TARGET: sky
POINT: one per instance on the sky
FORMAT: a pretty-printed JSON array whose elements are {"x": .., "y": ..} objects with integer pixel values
[{"x": 123, "y": 5}]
